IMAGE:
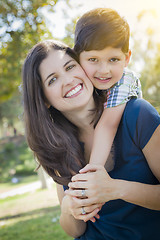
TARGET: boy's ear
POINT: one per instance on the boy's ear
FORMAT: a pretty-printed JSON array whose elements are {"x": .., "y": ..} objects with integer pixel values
[{"x": 128, "y": 56}]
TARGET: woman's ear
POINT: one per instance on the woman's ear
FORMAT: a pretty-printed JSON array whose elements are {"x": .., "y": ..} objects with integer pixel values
[{"x": 128, "y": 56}]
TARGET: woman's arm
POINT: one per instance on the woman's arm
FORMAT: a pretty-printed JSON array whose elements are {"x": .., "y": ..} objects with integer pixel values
[
  {"x": 70, "y": 225},
  {"x": 145, "y": 195},
  {"x": 149, "y": 195}
]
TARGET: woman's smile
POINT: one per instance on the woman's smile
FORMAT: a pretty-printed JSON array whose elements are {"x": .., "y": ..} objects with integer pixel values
[
  {"x": 67, "y": 86},
  {"x": 74, "y": 91}
]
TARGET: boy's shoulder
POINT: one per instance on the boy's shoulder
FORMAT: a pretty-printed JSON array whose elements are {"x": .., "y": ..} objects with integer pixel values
[{"x": 130, "y": 76}]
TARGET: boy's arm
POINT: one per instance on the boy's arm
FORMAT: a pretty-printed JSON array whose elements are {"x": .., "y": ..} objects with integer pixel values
[{"x": 104, "y": 134}]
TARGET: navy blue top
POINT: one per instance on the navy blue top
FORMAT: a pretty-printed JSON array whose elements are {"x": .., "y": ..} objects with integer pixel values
[{"x": 120, "y": 220}]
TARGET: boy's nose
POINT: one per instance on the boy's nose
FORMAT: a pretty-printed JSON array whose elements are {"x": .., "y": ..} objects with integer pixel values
[{"x": 103, "y": 68}]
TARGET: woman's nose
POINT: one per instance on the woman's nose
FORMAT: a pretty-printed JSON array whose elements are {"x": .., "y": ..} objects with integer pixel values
[{"x": 67, "y": 79}]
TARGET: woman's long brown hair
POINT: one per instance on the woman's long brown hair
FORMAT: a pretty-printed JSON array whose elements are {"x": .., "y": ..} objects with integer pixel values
[{"x": 52, "y": 137}]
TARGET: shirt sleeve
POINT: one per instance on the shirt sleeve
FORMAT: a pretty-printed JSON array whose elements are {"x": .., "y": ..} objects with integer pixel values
[{"x": 129, "y": 86}]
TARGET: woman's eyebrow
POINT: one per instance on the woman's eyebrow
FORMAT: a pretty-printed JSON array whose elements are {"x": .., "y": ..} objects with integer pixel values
[
  {"x": 68, "y": 62},
  {"x": 54, "y": 72},
  {"x": 49, "y": 76}
]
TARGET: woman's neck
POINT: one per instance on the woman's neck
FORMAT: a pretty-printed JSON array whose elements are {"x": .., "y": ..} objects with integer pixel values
[{"x": 82, "y": 117}]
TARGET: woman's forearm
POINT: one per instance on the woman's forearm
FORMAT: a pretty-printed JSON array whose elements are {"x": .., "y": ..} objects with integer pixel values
[
  {"x": 144, "y": 195},
  {"x": 70, "y": 225}
]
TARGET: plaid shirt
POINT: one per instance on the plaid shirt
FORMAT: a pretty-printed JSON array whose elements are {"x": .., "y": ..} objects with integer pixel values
[{"x": 121, "y": 92}]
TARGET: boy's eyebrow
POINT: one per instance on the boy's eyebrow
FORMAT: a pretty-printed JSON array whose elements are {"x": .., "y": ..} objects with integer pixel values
[{"x": 63, "y": 66}]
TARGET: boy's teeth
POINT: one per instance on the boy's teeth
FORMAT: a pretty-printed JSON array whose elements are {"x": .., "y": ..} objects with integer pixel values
[{"x": 74, "y": 91}]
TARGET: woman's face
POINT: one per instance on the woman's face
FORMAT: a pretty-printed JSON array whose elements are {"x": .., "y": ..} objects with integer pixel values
[{"x": 65, "y": 84}]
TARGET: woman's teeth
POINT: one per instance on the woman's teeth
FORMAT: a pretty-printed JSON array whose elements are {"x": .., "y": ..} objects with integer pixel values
[{"x": 74, "y": 91}]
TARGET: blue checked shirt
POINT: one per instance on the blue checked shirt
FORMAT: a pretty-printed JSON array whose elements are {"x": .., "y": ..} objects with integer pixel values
[{"x": 121, "y": 92}]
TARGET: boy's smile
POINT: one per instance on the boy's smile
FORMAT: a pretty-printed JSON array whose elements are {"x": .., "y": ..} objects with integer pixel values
[{"x": 104, "y": 67}]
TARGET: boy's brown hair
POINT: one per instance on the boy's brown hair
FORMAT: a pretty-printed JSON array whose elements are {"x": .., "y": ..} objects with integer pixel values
[{"x": 100, "y": 28}]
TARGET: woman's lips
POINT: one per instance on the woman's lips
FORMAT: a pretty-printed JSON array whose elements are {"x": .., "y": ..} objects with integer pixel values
[{"x": 74, "y": 91}]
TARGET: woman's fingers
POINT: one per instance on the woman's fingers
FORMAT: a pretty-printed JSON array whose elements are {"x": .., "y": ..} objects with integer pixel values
[
  {"x": 88, "y": 187},
  {"x": 86, "y": 217},
  {"x": 78, "y": 184},
  {"x": 84, "y": 213},
  {"x": 89, "y": 168},
  {"x": 77, "y": 193},
  {"x": 91, "y": 208}
]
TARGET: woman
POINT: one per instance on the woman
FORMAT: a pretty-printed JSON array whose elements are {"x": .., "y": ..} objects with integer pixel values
[{"x": 60, "y": 115}]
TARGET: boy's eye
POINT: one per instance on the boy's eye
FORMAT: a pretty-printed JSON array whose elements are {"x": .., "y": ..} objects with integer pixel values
[
  {"x": 92, "y": 59},
  {"x": 52, "y": 80},
  {"x": 70, "y": 67},
  {"x": 114, "y": 60}
]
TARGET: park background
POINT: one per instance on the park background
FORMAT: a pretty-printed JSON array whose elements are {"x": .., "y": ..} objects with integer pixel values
[{"x": 34, "y": 213}]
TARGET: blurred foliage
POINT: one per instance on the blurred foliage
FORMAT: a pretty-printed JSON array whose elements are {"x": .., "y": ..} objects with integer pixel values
[
  {"x": 16, "y": 159},
  {"x": 151, "y": 80},
  {"x": 22, "y": 25},
  {"x": 11, "y": 110},
  {"x": 146, "y": 56},
  {"x": 69, "y": 33}
]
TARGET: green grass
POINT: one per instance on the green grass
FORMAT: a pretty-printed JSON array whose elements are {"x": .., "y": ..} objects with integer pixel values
[
  {"x": 31, "y": 216},
  {"x": 41, "y": 224}
]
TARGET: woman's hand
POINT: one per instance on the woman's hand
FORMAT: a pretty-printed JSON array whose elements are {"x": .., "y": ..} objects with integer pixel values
[
  {"x": 98, "y": 185},
  {"x": 75, "y": 209}
]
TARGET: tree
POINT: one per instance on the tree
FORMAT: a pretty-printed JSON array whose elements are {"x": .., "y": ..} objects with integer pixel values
[
  {"x": 151, "y": 80},
  {"x": 146, "y": 56},
  {"x": 22, "y": 25}
]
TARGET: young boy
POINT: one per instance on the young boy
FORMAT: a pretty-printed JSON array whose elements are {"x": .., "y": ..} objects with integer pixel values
[{"x": 102, "y": 44}]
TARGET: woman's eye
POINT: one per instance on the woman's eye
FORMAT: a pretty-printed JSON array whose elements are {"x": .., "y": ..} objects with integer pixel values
[
  {"x": 92, "y": 59},
  {"x": 70, "y": 67},
  {"x": 52, "y": 80},
  {"x": 114, "y": 60}
]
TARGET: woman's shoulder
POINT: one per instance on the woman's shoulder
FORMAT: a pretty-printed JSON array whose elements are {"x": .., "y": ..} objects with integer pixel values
[
  {"x": 140, "y": 119},
  {"x": 139, "y": 106},
  {"x": 140, "y": 114}
]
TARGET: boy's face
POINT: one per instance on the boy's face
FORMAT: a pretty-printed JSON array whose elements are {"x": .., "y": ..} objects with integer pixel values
[{"x": 104, "y": 67}]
